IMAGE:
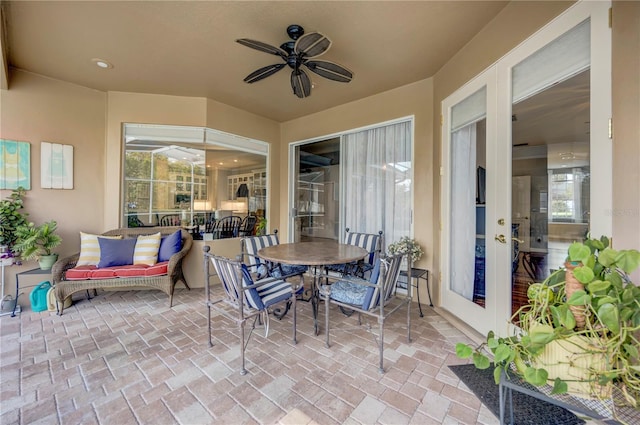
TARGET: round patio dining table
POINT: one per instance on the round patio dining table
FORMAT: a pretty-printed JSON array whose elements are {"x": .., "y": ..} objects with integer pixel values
[
  {"x": 322, "y": 253},
  {"x": 315, "y": 254}
]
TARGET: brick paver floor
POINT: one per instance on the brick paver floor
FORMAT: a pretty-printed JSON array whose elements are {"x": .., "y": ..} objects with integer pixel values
[{"x": 126, "y": 358}]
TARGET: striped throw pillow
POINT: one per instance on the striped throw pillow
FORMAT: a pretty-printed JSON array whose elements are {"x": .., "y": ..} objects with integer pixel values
[
  {"x": 146, "y": 251},
  {"x": 90, "y": 249}
]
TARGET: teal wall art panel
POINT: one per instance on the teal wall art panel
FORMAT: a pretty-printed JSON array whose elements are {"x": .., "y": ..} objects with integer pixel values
[{"x": 15, "y": 164}]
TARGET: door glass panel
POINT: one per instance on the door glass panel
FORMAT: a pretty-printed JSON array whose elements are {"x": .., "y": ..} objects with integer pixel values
[
  {"x": 316, "y": 203},
  {"x": 550, "y": 161},
  {"x": 468, "y": 198}
]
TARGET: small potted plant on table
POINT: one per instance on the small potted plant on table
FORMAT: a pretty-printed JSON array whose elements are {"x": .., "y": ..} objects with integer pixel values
[
  {"x": 579, "y": 331},
  {"x": 37, "y": 242}
]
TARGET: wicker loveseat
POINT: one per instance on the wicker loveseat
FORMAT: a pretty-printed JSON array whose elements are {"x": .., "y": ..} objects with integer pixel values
[{"x": 166, "y": 283}]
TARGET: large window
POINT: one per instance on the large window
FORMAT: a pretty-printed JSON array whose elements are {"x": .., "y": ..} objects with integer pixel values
[{"x": 189, "y": 175}]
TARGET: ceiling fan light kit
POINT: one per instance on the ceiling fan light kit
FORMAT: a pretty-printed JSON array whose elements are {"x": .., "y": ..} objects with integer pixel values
[{"x": 296, "y": 54}]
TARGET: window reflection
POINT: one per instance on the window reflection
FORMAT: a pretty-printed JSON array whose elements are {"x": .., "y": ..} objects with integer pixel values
[{"x": 188, "y": 176}]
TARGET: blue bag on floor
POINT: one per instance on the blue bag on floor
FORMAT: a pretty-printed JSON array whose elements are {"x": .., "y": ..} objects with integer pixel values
[{"x": 38, "y": 296}]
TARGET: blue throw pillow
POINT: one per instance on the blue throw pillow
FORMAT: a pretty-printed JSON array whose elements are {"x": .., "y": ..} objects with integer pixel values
[
  {"x": 116, "y": 252},
  {"x": 170, "y": 245}
]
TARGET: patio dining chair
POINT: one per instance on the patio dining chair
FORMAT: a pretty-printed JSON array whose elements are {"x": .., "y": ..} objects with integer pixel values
[
  {"x": 244, "y": 299},
  {"x": 261, "y": 268},
  {"x": 250, "y": 246},
  {"x": 247, "y": 226},
  {"x": 369, "y": 241},
  {"x": 170, "y": 220},
  {"x": 227, "y": 227},
  {"x": 375, "y": 297}
]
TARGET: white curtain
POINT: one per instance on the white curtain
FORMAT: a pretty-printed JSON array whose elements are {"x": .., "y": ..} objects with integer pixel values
[
  {"x": 376, "y": 176},
  {"x": 463, "y": 198}
]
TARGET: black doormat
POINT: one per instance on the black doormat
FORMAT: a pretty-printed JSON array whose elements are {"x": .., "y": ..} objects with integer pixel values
[{"x": 527, "y": 410}]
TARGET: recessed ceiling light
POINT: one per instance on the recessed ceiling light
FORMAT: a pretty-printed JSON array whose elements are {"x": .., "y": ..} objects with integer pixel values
[{"x": 101, "y": 63}]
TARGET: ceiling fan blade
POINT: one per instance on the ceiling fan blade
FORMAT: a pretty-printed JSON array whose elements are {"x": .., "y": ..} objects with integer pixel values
[
  {"x": 263, "y": 47},
  {"x": 330, "y": 70},
  {"x": 312, "y": 44},
  {"x": 263, "y": 72},
  {"x": 300, "y": 83}
]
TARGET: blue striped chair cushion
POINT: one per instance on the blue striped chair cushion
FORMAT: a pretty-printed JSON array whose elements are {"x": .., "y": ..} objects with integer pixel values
[
  {"x": 364, "y": 240},
  {"x": 254, "y": 244},
  {"x": 265, "y": 295},
  {"x": 252, "y": 297},
  {"x": 365, "y": 297},
  {"x": 286, "y": 270}
]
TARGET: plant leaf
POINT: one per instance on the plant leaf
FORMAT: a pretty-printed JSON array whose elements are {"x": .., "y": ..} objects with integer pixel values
[
  {"x": 481, "y": 361},
  {"x": 567, "y": 319},
  {"x": 606, "y": 299},
  {"x": 463, "y": 350},
  {"x": 497, "y": 372},
  {"x": 632, "y": 351},
  {"x": 628, "y": 260},
  {"x": 627, "y": 295},
  {"x": 598, "y": 285},
  {"x": 608, "y": 314},
  {"x": 578, "y": 252},
  {"x": 535, "y": 376},
  {"x": 502, "y": 353},
  {"x": 626, "y": 314},
  {"x": 579, "y": 298},
  {"x": 615, "y": 279},
  {"x": 583, "y": 274},
  {"x": 492, "y": 343},
  {"x": 607, "y": 257},
  {"x": 559, "y": 387},
  {"x": 541, "y": 335}
]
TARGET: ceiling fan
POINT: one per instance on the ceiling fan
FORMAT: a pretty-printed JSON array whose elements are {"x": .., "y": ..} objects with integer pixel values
[{"x": 297, "y": 53}]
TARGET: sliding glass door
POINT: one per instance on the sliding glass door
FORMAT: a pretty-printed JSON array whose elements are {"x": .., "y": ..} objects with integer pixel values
[{"x": 361, "y": 180}]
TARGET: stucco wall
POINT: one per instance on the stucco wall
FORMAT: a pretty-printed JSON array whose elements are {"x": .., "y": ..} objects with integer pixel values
[{"x": 38, "y": 109}]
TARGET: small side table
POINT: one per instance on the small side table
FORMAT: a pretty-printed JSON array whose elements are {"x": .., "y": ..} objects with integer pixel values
[
  {"x": 26, "y": 272},
  {"x": 418, "y": 274}
]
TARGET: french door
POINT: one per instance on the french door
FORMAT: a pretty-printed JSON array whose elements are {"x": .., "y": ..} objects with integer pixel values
[{"x": 524, "y": 145}]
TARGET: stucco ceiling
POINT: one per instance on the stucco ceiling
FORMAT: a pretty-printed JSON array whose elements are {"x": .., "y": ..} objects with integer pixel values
[{"x": 189, "y": 49}]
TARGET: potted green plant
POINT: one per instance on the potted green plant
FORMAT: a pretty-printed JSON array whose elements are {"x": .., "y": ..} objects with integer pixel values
[
  {"x": 406, "y": 245},
  {"x": 37, "y": 242},
  {"x": 582, "y": 335},
  {"x": 11, "y": 217}
]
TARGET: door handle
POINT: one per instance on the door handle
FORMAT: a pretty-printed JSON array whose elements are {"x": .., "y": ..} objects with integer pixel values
[
  {"x": 501, "y": 238},
  {"x": 517, "y": 240}
]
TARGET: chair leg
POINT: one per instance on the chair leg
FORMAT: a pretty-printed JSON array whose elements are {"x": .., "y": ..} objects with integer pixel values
[
  {"x": 409, "y": 321},
  {"x": 243, "y": 371},
  {"x": 209, "y": 324},
  {"x": 326, "y": 320},
  {"x": 381, "y": 323},
  {"x": 295, "y": 310}
]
